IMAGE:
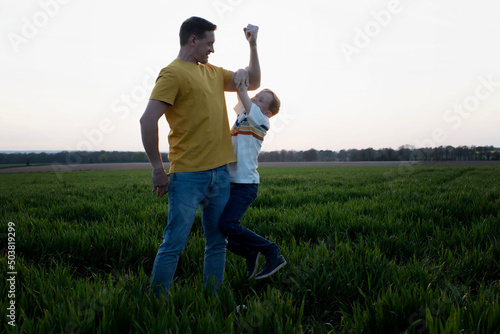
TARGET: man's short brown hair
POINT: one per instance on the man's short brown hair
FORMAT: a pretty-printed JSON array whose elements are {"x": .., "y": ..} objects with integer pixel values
[{"x": 195, "y": 26}]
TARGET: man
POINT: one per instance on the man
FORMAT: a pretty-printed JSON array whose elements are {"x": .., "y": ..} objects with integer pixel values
[{"x": 190, "y": 93}]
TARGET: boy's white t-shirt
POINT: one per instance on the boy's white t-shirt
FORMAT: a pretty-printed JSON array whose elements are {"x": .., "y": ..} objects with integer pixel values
[{"x": 247, "y": 135}]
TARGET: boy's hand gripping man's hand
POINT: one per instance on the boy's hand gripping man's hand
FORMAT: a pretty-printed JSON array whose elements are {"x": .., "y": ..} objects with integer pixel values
[{"x": 241, "y": 78}]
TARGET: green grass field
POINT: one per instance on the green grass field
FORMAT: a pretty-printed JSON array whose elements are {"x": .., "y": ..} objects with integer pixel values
[{"x": 369, "y": 249}]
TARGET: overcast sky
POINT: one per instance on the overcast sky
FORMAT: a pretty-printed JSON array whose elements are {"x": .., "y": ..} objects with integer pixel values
[{"x": 77, "y": 75}]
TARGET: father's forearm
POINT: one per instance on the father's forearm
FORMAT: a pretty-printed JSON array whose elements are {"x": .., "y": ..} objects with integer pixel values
[
  {"x": 149, "y": 133},
  {"x": 254, "y": 69}
]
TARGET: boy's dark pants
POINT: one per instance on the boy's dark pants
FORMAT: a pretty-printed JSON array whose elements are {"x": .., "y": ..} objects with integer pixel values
[{"x": 242, "y": 241}]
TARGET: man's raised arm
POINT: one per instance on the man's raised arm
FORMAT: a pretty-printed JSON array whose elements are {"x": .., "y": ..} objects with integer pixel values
[
  {"x": 252, "y": 79},
  {"x": 254, "y": 65}
]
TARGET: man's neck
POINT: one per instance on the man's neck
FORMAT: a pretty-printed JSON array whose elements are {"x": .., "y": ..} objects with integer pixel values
[{"x": 186, "y": 56}]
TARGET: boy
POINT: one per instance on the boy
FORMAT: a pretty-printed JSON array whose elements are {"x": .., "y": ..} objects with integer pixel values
[{"x": 247, "y": 135}]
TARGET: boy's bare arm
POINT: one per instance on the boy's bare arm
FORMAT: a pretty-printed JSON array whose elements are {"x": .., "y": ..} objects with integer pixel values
[{"x": 244, "y": 98}]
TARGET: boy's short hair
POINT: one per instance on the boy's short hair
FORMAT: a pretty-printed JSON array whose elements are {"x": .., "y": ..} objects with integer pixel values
[
  {"x": 275, "y": 104},
  {"x": 195, "y": 26}
]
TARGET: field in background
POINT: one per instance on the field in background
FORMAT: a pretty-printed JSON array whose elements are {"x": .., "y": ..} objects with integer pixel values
[
  {"x": 146, "y": 165},
  {"x": 373, "y": 249}
]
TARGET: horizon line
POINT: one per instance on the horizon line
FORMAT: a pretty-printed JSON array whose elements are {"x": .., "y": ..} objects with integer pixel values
[{"x": 411, "y": 147}]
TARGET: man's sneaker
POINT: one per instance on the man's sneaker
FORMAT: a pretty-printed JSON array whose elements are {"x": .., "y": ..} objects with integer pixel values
[
  {"x": 271, "y": 267},
  {"x": 252, "y": 265}
]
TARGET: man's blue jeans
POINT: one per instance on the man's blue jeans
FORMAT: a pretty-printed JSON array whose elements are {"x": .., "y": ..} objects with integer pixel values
[
  {"x": 240, "y": 240},
  {"x": 210, "y": 191}
]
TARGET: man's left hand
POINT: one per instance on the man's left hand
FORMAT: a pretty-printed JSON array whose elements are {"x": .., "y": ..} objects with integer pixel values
[{"x": 251, "y": 33}]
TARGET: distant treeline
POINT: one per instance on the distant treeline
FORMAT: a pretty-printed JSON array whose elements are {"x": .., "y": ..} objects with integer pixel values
[
  {"x": 78, "y": 157},
  {"x": 403, "y": 153}
]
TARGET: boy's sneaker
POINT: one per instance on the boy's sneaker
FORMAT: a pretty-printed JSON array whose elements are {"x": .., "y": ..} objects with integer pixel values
[
  {"x": 271, "y": 267},
  {"x": 252, "y": 264}
]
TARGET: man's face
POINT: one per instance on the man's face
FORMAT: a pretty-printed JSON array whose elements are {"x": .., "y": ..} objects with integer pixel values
[{"x": 204, "y": 47}]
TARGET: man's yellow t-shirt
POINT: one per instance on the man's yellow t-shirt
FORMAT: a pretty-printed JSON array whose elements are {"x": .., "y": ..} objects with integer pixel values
[{"x": 199, "y": 136}]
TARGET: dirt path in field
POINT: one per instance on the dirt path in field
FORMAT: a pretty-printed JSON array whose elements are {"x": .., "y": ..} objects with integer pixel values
[
  {"x": 147, "y": 165},
  {"x": 460, "y": 163}
]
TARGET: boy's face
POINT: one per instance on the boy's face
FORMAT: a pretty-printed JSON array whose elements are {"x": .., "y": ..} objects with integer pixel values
[{"x": 263, "y": 101}]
